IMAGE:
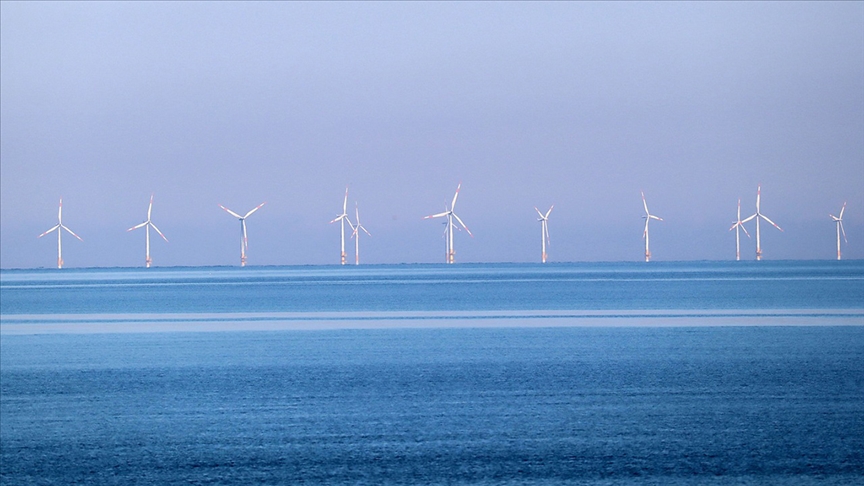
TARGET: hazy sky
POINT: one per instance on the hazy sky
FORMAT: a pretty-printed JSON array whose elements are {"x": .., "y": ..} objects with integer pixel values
[{"x": 577, "y": 104}]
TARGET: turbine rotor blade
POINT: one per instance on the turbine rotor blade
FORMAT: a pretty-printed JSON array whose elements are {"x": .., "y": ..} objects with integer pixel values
[
  {"x": 749, "y": 218},
  {"x": 364, "y": 230},
  {"x": 772, "y": 222},
  {"x": 539, "y": 213},
  {"x": 50, "y": 230},
  {"x": 253, "y": 210},
  {"x": 841, "y": 211},
  {"x": 644, "y": 204},
  {"x": 658, "y": 218},
  {"x": 547, "y": 212},
  {"x": 138, "y": 226},
  {"x": 245, "y": 238},
  {"x": 843, "y": 230},
  {"x": 463, "y": 225},
  {"x": 150, "y": 207},
  {"x": 745, "y": 231},
  {"x": 453, "y": 204},
  {"x": 71, "y": 233},
  {"x": 345, "y": 202},
  {"x": 437, "y": 215},
  {"x": 60, "y": 212},
  {"x": 160, "y": 233},
  {"x": 232, "y": 213}
]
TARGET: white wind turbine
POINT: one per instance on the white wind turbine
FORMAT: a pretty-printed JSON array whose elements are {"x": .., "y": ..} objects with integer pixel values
[
  {"x": 648, "y": 217},
  {"x": 356, "y": 235},
  {"x": 343, "y": 218},
  {"x": 147, "y": 224},
  {"x": 544, "y": 231},
  {"x": 57, "y": 228},
  {"x": 244, "y": 241},
  {"x": 451, "y": 252},
  {"x": 739, "y": 225},
  {"x": 757, "y": 216},
  {"x": 839, "y": 221}
]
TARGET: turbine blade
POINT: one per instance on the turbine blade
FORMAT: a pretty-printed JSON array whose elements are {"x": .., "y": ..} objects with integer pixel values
[
  {"x": 150, "y": 207},
  {"x": 547, "y": 212},
  {"x": 364, "y": 230},
  {"x": 232, "y": 213},
  {"x": 841, "y": 211},
  {"x": 345, "y": 202},
  {"x": 50, "y": 230},
  {"x": 843, "y": 230},
  {"x": 253, "y": 210},
  {"x": 463, "y": 225},
  {"x": 748, "y": 218},
  {"x": 539, "y": 213},
  {"x": 71, "y": 233},
  {"x": 658, "y": 218},
  {"x": 60, "y": 212},
  {"x": 745, "y": 231},
  {"x": 437, "y": 215},
  {"x": 157, "y": 230},
  {"x": 137, "y": 226},
  {"x": 453, "y": 204},
  {"x": 644, "y": 204},
  {"x": 772, "y": 222}
]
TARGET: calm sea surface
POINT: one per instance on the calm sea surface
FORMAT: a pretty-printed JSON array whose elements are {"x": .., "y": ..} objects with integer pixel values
[{"x": 613, "y": 373}]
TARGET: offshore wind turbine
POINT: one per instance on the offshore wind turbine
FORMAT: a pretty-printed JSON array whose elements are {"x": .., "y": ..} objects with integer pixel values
[
  {"x": 57, "y": 228},
  {"x": 342, "y": 218},
  {"x": 147, "y": 224},
  {"x": 648, "y": 217},
  {"x": 451, "y": 252},
  {"x": 839, "y": 221},
  {"x": 739, "y": 225},
  {"x": 757, "y": 216},
  {"x": 244, "y": 241},
  {"x": 356, "y": 235},
  {"x": 544, "y": 231}
]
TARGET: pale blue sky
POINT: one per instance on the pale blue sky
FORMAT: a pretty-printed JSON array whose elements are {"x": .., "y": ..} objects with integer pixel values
[{"x": 577, "y": 104}]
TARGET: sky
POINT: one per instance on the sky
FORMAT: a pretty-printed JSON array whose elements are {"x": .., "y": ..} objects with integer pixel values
[{"x": 581, "y": 105}]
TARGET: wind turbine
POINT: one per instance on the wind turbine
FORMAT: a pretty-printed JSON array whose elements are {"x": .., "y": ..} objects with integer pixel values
[
  {"x": 736, "y": 226},
  {"x": 342, "y": 218},
  {"x": 60, "y": 233},
  {"x": 356, "y": 235},
  {"x": 147, "y": 224},
  {"x": 839, "y": 221},
  {"x": 648, "y": 217},
  {"x": 450, "y": 226},
  {"x": 244, "y": 241},
  {"x": 544, "y": 230},
  {"x": 757, "y": 216}
]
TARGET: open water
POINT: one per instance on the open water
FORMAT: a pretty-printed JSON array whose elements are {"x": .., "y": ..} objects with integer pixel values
[{"x": 613, "y": 373}]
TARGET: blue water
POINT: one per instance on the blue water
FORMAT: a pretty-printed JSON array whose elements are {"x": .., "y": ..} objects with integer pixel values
[{"x": 618, "y": 404}]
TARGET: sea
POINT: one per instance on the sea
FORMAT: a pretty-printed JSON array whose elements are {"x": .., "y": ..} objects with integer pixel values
[{"x": 668, "y": 373}]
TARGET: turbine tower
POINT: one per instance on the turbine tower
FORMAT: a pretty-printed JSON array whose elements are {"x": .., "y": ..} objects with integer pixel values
[
  {"x": 60, "y": 226},
  {"x": 244, "y": 241},
  {"x": 147, "y": 224},
  {"x": 356, "y": 235},
  {"x": 648, "y": 217},
  {"x": 839, "y": 221},
  {"x": 544, "y": 231},
  {"x": 737, "y": 226},
  {"x": 451, "y": 252},
  {"x": 757, "y": 216},
  {"x": 342, "y": 218}
]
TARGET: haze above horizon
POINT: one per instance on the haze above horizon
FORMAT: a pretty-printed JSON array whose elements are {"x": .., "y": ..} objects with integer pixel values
[{"x": 580, "y": 105}]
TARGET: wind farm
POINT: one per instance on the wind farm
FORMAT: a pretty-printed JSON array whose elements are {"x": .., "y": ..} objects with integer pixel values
[
  {"x": 244, "y": 240},
  {"x": 147, "y": 224},
  {"x": 453, "y": 224},
  {"x": 57, "y": 228}
]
